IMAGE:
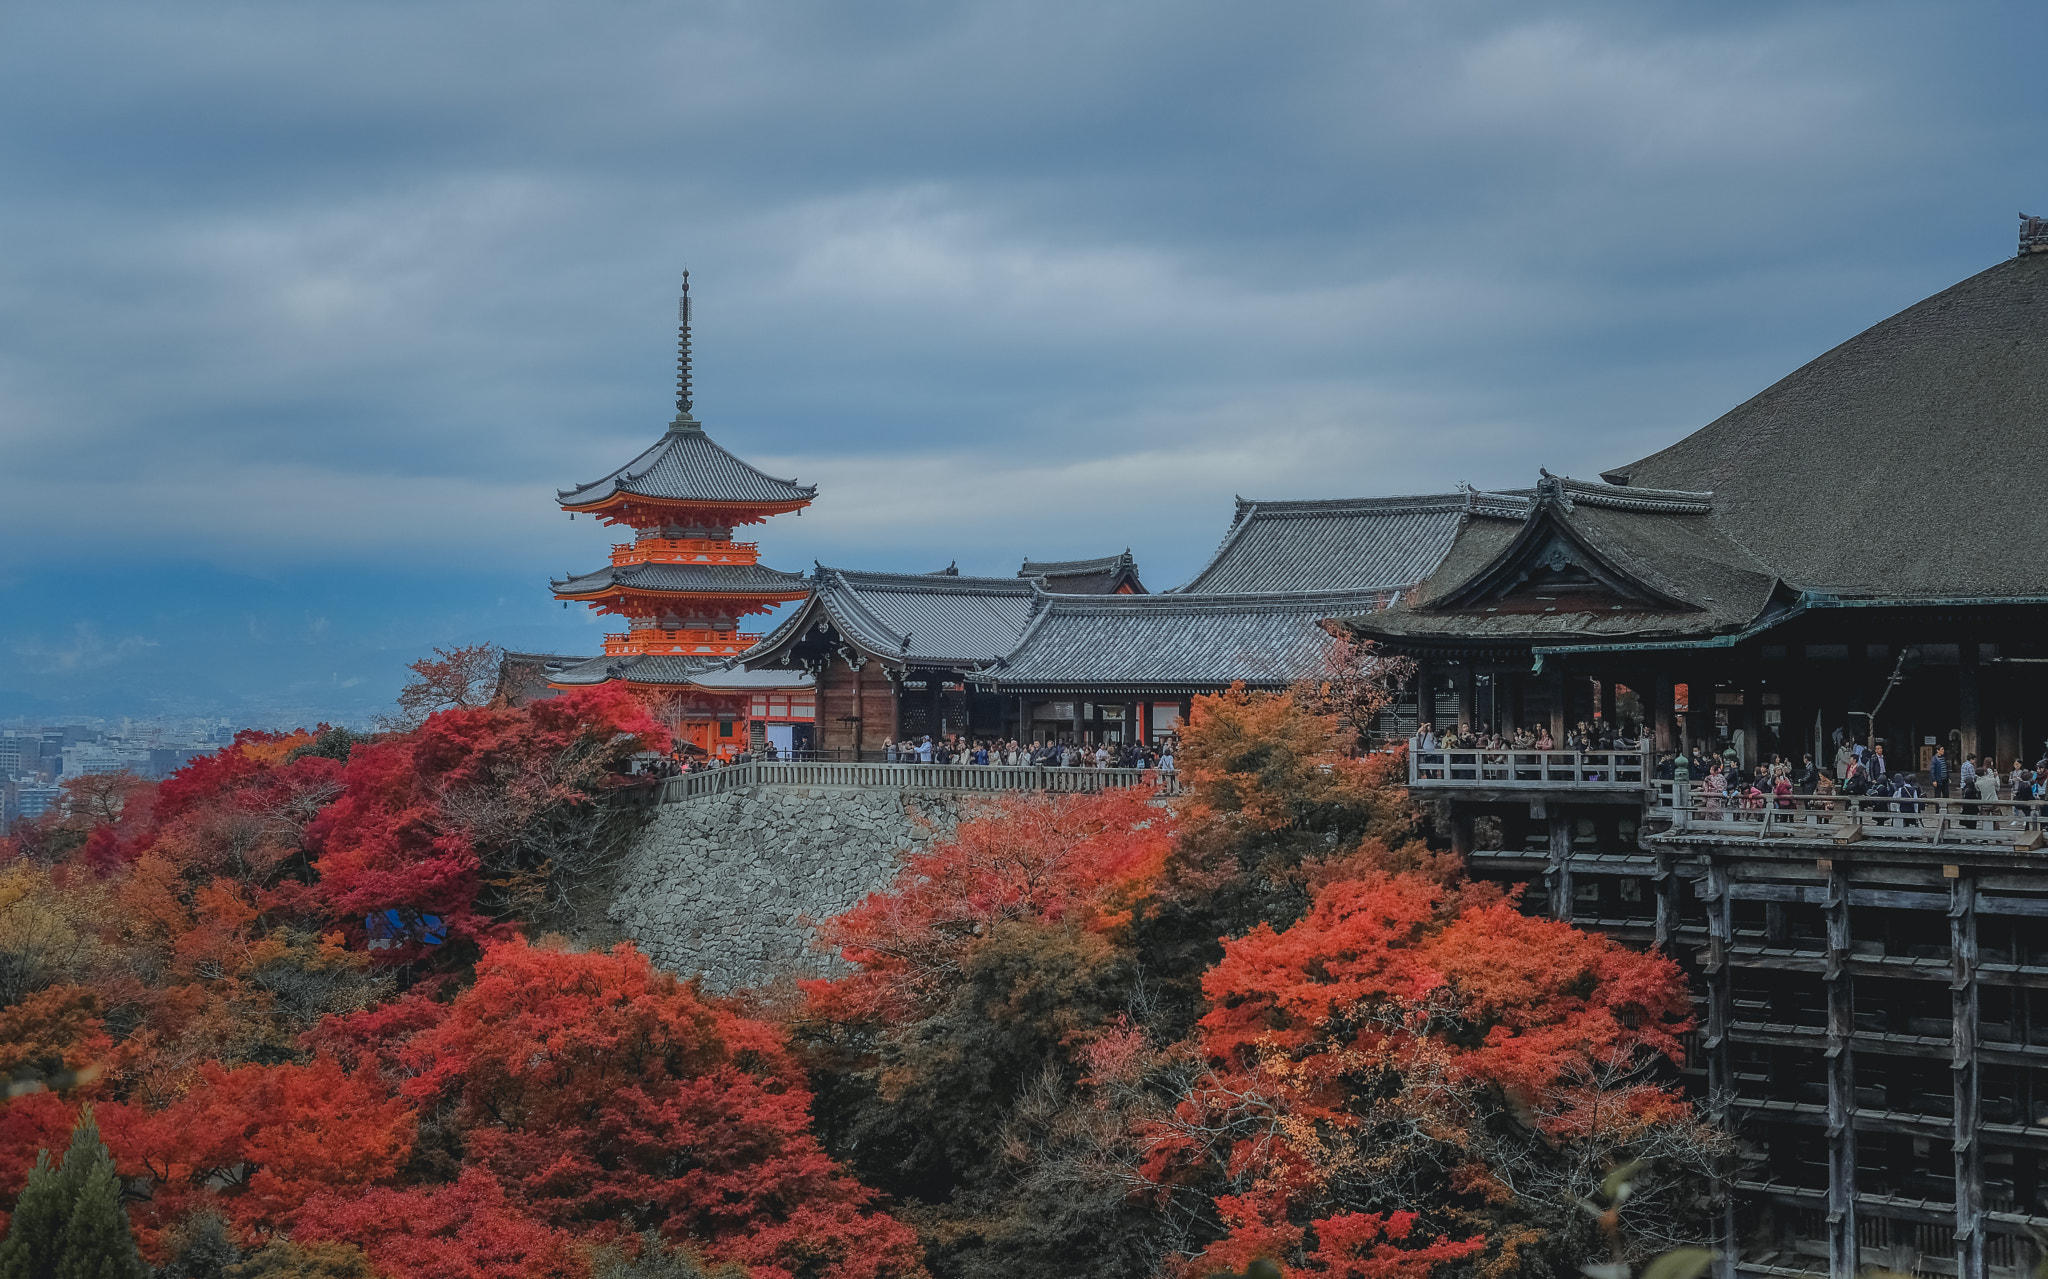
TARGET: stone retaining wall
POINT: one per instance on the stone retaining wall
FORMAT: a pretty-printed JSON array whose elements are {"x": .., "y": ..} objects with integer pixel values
[{"x": 721, "y": 885}]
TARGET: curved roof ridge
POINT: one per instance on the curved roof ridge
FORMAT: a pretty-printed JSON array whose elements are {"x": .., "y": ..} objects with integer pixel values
[
  {"x": 687, "y": 465},
  {"x": 961, "y": 584},
  {"x": 1076, "y": 568},
  {"x": 1625, "y": 498},
  {"x": 1390, "y": 504}
]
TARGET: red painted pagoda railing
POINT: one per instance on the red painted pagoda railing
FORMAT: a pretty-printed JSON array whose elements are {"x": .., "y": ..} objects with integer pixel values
[
  {"x": 655, "y": 640},
  {"x": 685, "y": 550}
]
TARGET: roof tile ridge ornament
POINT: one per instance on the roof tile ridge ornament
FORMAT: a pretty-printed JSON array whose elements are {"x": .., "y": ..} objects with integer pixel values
[
  {"x": 685, "y": 397},
  {"x": 2033, "y": 235},
  {"x": 1500, "y": 506}
]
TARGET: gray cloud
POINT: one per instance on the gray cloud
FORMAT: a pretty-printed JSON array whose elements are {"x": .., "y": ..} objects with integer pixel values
[{"x": 359, "y": 285}]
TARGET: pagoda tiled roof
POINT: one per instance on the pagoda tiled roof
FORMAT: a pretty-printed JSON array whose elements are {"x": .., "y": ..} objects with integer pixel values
[
  {"x": 686, "y": 466},
  {"x": 1372, "y": 543},
  {"x": 1175, "y": 642},
  {"x": 686, "y": 579},
  {"x": 912, "y": 619},
  {"x": 644, "y": 668},
  {"x": 713, "y": 674}
]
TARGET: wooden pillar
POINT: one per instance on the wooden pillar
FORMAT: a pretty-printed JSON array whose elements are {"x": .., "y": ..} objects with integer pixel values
[
  {"x": 1662, "y": 718},
  {"x": 1607, "y": 701},
  {"x": 1752, "y": 723},
  {"x": 1425, "y": 693},
  {"x": 1468, "y": 696},
  {"x": 1560, "y": 705},
  {"x": 853, "y": 668},
  {"x": 1558, "y": 872},
  {"x": 1461, "y": 831},
  {"x": 1719, "y": 975},
  {"x": 2005, "y": 721},
  {"x": 1665, "y": 882},
  {"x": 1968, "y": 709},
  {"x": 1969, "y": 1153},
  {"x": 1841, "y": 1067}
]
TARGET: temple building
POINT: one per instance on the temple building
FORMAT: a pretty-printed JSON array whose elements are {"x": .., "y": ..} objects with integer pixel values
[
  {"x": 684, "y": 586},
  {"x": 1854, "y": 557}
]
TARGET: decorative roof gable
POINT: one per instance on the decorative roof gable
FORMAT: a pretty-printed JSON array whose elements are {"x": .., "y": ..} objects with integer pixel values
[{"x": 1552, "y": 566}]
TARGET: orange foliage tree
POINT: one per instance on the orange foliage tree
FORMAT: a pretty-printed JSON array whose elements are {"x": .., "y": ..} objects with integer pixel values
[{"x": 1267, "y": 1021}]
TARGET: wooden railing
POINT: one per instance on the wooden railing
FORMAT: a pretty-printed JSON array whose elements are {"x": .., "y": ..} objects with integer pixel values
[
  {"x": 653, "y": 639},
  {"x": 1509, "y": 769},
  {"x": 684, "y": 550},
  {"x": 2017, "y": 824},
  {"x": 946, "y": 777}
]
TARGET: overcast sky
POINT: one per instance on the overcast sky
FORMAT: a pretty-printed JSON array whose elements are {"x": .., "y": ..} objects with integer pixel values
[{"x": 308, "y": 309}]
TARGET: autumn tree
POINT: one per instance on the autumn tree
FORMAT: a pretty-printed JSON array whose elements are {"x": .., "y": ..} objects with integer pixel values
[
  {"x": 603, "y": 1094},
  {"x": 1356, "y": 682},
  {"x": 460, "y": 678},
  {"x": 1417, "y": 1070}
]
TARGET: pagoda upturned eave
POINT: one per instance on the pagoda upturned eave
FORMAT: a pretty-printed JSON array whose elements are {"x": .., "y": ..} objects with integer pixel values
[
  {"x": 685, "y": 472},
  {"x": 668, "y": 580}
]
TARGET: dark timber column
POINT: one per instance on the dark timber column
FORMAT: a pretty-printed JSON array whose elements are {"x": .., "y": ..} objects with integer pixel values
[
  {"x": 1558, "y": 874},
  {"x": 1661, "y": 715},
  {"x": 1968, "y": 708},
  {"x": 1720, "y": 1007},
  {"x": 1425, "y": 693},
  {"x": 1560, "y": 706},
  {"x": 1962, "y": 935},
  {"x": 1667, "y": 901},
  {"x": 1841, "y": 1068},
  {"x": 1468, "y": 696}
]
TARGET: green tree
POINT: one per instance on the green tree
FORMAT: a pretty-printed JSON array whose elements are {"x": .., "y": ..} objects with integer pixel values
[
  {"x": 69, "y": 1222},
  {"x": 30, "y": 1249}
]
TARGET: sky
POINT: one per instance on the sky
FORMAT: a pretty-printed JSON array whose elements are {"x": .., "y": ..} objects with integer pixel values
[{"x": 308, "y": 309}]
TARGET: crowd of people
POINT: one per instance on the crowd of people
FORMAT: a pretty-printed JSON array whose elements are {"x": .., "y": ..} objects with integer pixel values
[
  {"x": 1581, "y": 737},
  {"x": 1856, "y": 768},
  {"x": 944, "y": 750},
  {"x": 1038, "y": 754}
]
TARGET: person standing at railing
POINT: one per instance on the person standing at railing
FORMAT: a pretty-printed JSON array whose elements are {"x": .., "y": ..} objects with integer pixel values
[
  {"x": 1937, "y": 772},
  {"x": 1712, "y": 791},
  {"x": 1425, "y": 737}
]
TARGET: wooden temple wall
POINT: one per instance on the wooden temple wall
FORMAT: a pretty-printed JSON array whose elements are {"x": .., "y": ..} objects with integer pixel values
[
  {"x": 843, "y": 694},
  {"x": 1873, "y": 1026}
]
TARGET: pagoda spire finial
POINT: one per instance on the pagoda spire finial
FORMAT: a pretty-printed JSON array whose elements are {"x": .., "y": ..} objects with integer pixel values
[{"x": 684, "y": 402}]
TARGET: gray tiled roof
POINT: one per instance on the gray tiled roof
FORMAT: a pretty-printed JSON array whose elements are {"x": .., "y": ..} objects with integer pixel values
[
  {"x": 1906, "y": 462},
  {"x": 719, "y": 674},
  {"x": 1662, "y": 539},
  {"x": 657, "y": 668},
  {"x": 1345, "y": 544},
  {"x": 915, "y": 618},
  {"x": 1176, "y": 642},
  {"x": 1102, "y": 576},
  {"x": 685, "y": 466},
  {"x": 695, "y": 579}
]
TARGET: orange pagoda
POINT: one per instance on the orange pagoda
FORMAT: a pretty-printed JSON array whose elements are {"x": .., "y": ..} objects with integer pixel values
[{"x": 685, "y": 586}]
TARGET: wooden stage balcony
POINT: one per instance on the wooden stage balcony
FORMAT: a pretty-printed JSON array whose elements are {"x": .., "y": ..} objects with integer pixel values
[
  {"x": 1503, "y": 774},
  {"x": 2015, "y": 826}
]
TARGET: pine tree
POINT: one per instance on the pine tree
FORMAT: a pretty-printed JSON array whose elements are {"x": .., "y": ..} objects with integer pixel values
[
  {"x": 97, "y": 1242},
  {"x": 69, "y": 1223},
  {"x": 30, "y": 1249}
]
